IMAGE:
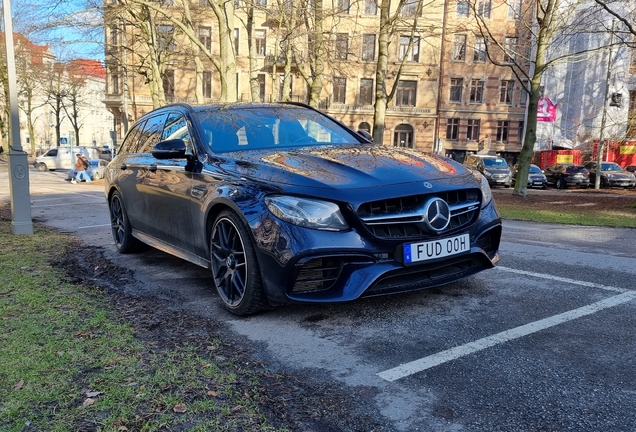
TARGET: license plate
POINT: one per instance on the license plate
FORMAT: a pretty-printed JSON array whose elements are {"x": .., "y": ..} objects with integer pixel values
[
  {"x": 537, "y": 183},
  {"x": 424, "y": 251}
]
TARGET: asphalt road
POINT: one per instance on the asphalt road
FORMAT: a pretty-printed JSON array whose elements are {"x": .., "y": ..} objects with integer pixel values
[{"x": 544, "y": 342}]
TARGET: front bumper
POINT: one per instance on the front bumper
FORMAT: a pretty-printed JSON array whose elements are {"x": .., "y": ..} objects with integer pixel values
[{"x": 304, "y": 265}]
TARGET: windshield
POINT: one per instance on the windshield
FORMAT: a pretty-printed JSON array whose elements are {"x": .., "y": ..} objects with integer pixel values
[
  {"x": 611, "y": 167},
  {"x": 535, "y": 169},
  {"x": 266, "y": 127},
  {"x": 495, "y": 163}
]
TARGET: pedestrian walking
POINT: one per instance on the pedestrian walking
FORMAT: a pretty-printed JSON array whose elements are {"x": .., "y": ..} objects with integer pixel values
[{"x": 81, "y": 165}]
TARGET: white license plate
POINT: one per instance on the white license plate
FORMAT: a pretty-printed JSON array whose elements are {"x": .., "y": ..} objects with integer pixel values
[{"x": 416, "y": 252}]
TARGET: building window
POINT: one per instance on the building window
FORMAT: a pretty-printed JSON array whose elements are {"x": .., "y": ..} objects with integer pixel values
[
  {"x": 370, "y": 7},
  {"x": 409, "y": 8},
  {"x": 114, "y": 36},
  {"x": 510, "y": 48},
  {"x": 479, "y": 50},
  {"x": 259, "y": 2},
  {"x": 462, "y": 8},
  {"x": 205, "y": 37},
  {"x": 524, "y": 93},
  {"x": 414, "y": 53},
  {"x": 456, "y": 86},
  {"x": 505, "y": 91},
  {"x": 342, "y": 46},
  {"x": 452, "y": 129},
  {"x": 502, "y": 131},
  {"x": 207, "y": 84},
  {"x": 165, "y": 35},
  {"x": 366, "y": 91},
  {"x": 520, "y": 132},
  {"x": 368, "y": 47},
  {"x": 114, "y": 83},
  {"x": 365, "y": 127},
  {"x": 405, "y": 94},
  {"x": 514, "y": 9},
  {"x": 260, "y": 39},
  {"x": 483, "y": 8},
  {"x": 342, "y": 6},
  {"x": 472, "y": 133},
  {"x": 403, "y": 136},
  {"x": 261, "y": 86},
  {"x": 236, "y": 41},
  {"x": 339, "y": 89},
  {"x": 168, "y": 82},
  {"x": 476, "y": 91},
  {"x": 459, "y": 48}
]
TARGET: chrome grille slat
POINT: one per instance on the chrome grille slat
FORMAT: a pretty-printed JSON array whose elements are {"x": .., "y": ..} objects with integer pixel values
[{"x": 403, "y": 217}]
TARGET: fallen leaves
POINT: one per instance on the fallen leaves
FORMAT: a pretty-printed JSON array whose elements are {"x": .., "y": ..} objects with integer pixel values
[
  {"x": 19, "y": 385},
  {"x": 179, "y": 408}
]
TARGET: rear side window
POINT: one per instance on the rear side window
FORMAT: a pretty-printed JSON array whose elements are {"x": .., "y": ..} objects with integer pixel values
[
  {"x": 151, "y": 133},
  {"x": 575, "y": 169}
]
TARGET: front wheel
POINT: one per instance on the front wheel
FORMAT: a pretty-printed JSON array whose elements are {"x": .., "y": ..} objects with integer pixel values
[
  {"x": 120, "y": 226},
  {"x": 234, "y": 266},
  {"x": 97, "y": 176},
  {"x": 561, "y": 184}
]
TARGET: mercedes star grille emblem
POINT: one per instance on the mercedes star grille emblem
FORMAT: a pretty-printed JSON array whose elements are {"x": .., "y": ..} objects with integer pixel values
[{"x": 437, "y": 214}]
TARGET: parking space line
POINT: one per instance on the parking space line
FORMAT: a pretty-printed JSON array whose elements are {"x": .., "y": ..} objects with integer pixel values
[
  {"x": 560, "y": 279},
  {"x": 422, "y": 364}
]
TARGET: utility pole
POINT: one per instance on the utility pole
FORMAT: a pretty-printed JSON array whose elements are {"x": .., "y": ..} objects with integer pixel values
[
  {"x": 18, "y": 162},
  {"x": 601, "y": 144}
]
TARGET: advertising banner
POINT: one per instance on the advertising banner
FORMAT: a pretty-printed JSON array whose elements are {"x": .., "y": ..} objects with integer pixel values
[{"x": 546, "y": 110}]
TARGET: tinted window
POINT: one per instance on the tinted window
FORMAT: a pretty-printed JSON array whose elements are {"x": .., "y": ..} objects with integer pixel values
[
  {"x": 575, "y": 169},
  {"x": 132, "y": 139},
  {"x": 495, "y": 163},
  {"x": 535, "y": 169},
  {"x": 151, "y": 133},
  {"x": 176, "y": 127},
  {"x": 259, "y": 128}
]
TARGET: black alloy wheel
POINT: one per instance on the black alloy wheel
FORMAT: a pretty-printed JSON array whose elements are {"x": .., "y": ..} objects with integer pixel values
[
  {"x": 234, "y": 266},
  {"x": 120, "y": 225}
]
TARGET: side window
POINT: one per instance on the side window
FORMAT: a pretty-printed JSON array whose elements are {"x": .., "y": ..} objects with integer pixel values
[
  {"x": 151, "y": 133},
  {"x": 176, "y": 127},
  {"x": 132, "y": 139}
]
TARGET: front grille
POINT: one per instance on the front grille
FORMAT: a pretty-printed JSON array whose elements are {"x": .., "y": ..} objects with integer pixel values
[{"x": 403, "y": 217}]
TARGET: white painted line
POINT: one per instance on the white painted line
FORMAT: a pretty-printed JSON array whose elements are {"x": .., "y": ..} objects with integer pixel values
[
  {"x": 422, "y": 364},
  {"x": 564, "y": 280}
]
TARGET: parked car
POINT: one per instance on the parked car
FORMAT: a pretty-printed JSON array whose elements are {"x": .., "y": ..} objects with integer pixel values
[
  {"x": 285, "y": 204},
  {"x": 563, "y": 175},
  {"x": 62, "y": 158},
  {"x": 495, "y": 169},
  {"x": 536, "y": 178},
  {"x": 612, "y": 175},
  {"x": 630, "y": 168},
  {"x": 95, "y": 171}
]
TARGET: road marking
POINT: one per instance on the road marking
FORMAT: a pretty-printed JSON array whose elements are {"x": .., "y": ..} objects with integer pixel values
[
  {"x": 560, "y": 279},
  {"x": 425, "y": 363},
  {"x": 93, "y": 226}
]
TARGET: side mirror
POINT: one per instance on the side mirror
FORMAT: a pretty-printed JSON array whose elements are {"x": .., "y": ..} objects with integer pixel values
[{"x": 170, "y": 149}]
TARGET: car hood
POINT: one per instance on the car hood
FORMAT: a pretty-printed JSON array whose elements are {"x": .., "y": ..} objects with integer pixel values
[
  {"x": 618, "y": 174},
  {"x": 497, "y": 170},
  {"x": 343, "y": 166}
]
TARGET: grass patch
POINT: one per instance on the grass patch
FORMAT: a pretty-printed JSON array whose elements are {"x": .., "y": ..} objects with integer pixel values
[
  {"x": 69, "y": 362},
  {"x": 576, "y": 216}
]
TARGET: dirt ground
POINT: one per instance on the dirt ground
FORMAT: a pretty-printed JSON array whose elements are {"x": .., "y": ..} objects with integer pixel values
[{"x": 584, "y": 200}]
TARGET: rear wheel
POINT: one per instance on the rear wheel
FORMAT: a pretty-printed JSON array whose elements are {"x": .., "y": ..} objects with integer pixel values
[
  {"x": 120, "y": 226},
  {"x": 97, "y": 175},
  {"x": 234, "y": 267},
  {"x": 42, "y": 167}
]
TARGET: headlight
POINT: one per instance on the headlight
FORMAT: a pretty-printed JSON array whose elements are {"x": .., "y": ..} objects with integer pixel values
[
  {"x": 487, "y": 173},
  {"x": 485, "y": 188},
  {"x": 308, "y": 213}
]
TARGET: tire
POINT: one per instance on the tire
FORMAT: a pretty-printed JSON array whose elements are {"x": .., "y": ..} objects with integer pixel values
[
  {"x": 561, "y": 184},
  {"x": 120, "y": 226},
  {"x": 97, "y": 176},
  {"x": 234, "y": 266},
  {"x": 42, "y": 167}
]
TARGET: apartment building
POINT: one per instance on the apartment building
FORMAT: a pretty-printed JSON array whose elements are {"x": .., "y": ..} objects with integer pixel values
[{"x": 442, "y": 101}]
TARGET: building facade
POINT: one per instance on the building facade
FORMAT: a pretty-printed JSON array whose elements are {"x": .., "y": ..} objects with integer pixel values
[{"x": 441, "y": 101}]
